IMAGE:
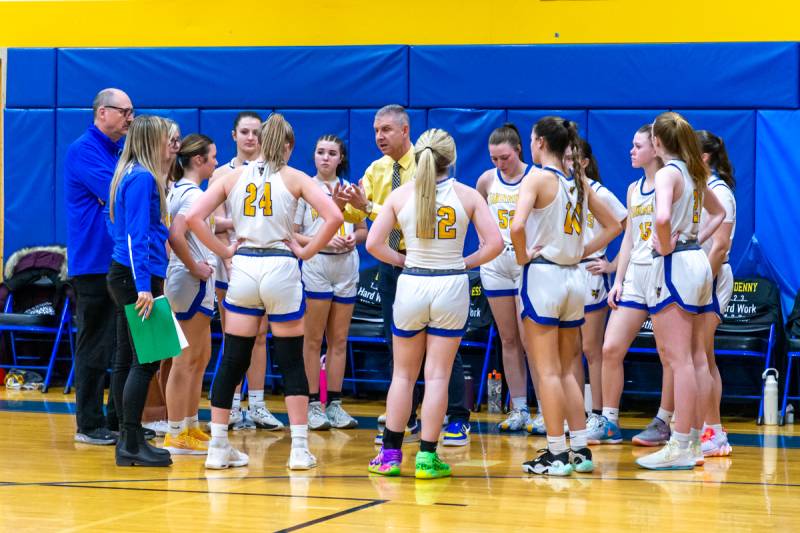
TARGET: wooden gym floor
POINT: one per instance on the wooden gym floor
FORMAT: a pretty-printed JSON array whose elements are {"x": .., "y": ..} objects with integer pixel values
[{"x": 50, "y": 483}]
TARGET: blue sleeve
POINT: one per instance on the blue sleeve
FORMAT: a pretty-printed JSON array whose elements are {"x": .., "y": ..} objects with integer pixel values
[
  {"x": 92, "y": 170},
  {"x": 136, "y": 195}
]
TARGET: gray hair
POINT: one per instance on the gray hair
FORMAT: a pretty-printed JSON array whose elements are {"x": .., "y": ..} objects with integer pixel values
[
  {"x": 103, "y": 98},
  {"x": 397, "y": 110}
]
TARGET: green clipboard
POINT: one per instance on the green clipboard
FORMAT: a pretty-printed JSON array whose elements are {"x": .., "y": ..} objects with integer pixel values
[{"x": 159, "y": 336}]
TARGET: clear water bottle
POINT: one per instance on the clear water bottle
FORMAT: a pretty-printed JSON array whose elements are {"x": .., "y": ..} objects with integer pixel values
[{"x": 495, "y": 392}]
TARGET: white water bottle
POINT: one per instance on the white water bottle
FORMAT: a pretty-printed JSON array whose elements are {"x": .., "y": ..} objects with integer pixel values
[{"x": 770, "y": 377}]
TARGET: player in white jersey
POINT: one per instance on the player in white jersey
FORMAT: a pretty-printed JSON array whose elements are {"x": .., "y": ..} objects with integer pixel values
[
  {"x": 265, "y": 280},
  {"x": 680, "y": 284},
  {"x": 595, "y": 272},
  {"x": 547, "y": 234},
  {"x": 714, "y": 440},
  {"x": 189, "y": 287},
  {"x": 432, "y": 304},
  {"x": 331, "y": 280},
  {"x": 627, "y": 297},
  {"x": 500, "y": 277},
  {"x": 246, "y": 127}
]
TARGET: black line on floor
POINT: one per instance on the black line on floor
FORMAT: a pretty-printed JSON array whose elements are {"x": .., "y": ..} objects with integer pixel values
[{"x": 326, "y": 518}]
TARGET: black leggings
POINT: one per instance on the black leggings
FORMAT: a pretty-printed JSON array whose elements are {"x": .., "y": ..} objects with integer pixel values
[{"x": 129, "y": 378}]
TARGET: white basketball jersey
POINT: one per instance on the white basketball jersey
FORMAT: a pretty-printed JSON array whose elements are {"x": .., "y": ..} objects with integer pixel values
[
  {"x": 685, "y": 219},
  {"x": 728, "y": 201},
  {"x": 262, "y": 208},
  {"x": 641, "y": 212},
  {"x": 179, "y": 200},
  {"x": 558, "y": 228},
  {"x": 446, "y": 250},
  {"x": 502, "y": 200},
  {"x": 593, "y": 227},
  {"x": 309, "y": 220}
]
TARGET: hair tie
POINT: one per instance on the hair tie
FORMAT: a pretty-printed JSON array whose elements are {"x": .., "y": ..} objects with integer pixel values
[
  {"x": 427, "y": 148},
  {"x": 566, "y": 123}
]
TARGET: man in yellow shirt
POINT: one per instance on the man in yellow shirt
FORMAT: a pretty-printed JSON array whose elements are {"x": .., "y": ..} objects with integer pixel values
[{"x": 396, "y": 167}]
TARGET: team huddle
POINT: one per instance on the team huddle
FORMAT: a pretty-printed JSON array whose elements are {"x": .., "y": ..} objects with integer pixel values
[{"x": 279, "y": 248}]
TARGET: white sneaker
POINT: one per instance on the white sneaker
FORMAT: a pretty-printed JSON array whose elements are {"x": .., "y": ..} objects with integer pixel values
[
  {"x": 263, "y": 419},
  {"x": 161, "y": 427},
  {"x": 317, "y": 418},
  {"x": 338, "y": 417},
  {"x": 301, "y": 459},
  {"x": 536, "y": 426},
  {"x": 670, "y": 457},
  {"x": 236, "y": 419},
  {"x": 715, "y": 444},
  {"x": 382, "y": 419},
  {"x": 593, "y": 421},
  {"x": 221, "y": 457},
  {"x": 697, "y": 452},
  {"x": 517, "y": 420}
]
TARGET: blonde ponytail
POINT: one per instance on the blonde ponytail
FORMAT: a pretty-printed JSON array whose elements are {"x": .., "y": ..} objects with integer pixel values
[
  {"x": 435, "y": 153},
  {"x": 275, "y": 134}
]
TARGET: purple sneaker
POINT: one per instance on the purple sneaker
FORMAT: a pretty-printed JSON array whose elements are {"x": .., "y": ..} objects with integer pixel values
[{"x": 386, "y": 463}]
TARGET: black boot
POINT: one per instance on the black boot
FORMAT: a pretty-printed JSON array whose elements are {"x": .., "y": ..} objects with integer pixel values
[
  {"x": 130, "y": 453},
  {"x": 142, "y": 441}
]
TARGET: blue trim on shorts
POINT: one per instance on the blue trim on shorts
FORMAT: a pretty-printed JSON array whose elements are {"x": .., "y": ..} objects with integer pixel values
[
  {"x": 529, "y": 312},
  {"x": 221, "y": 285},
  {"x": 319, "y": 295},
  {"x": 500, "y": 292},
  {"x": 606, "y": 282},
  {"x": 714, "y": 299},
  {"x": 206, "y": 311},
  {"x": 195, "y": 306},
  {"x": 347, "y": 300},
  {"x": 405, "y": 333},
  {"x": 674, "y": 295},
  {"x": 287, "y": 317},
  {"x": 441, "y": 332},
  {"x": 594, "y": 307},
  {"x": 435, "y": 275},
  {"x": 632, "y": 305},
  {"x": 242, "y": 310}
]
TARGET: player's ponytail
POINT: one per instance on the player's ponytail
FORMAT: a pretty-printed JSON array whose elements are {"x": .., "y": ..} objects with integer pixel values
[
  {"x": 678, "y": 138},
  {"x": 276, "y": 134},
  {"x": 435, "y": 153},
  {"x": 192, "y": 145},
  {"x": 718, "y": 156}
]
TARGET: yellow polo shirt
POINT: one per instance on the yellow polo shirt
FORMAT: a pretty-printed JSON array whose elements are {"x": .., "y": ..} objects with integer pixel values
[{"x": 377, "y": 182}]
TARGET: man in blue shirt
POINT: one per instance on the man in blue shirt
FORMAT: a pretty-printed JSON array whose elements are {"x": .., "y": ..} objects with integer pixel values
[{"x": 88, "y": 168}]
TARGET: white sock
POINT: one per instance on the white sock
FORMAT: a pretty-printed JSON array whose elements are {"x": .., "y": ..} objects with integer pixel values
[
  {"x": 577, "y": 439},
  {"x": 255, "y": 397},
  {"x": 520, "y": 403},
  {"x": 694, "y": 435},
  {"x": 682, "y": 438},
  {"x": 539, "y": 407},
  {"x": 611, "y": 414},
  {"x": 192, "y": 421},
  {"x": 176, "y": 427},
  {"x": 219, "y": 435},
  {"x": 664, "y": 415},
  {"x": 718, "y": 431},
  {"x": 558, "y": 445},
  {"x": 237, "y": 400},
  {"x": 299, "y": 434}
]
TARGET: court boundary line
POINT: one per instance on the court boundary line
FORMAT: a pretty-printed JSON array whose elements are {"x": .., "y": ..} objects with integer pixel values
[{"x": 332, "y": 516}]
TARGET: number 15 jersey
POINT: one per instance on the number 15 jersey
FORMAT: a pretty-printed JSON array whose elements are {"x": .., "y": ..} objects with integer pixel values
[
  {"x": 262, "y": 208},
  {"x": 641, "y": 212}
]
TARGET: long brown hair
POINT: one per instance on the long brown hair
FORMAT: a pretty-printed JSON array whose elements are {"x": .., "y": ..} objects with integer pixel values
[
  {"x": 561, "y": 134},
  {"x": 678, "y": 137},
  {"x": 144, "y": 145},
  {"x": 435, "y": 153},
  {"x": 718, "y": 156},
  {"x": 508, "y": 134},
  {"x": 192, "y": 145}
]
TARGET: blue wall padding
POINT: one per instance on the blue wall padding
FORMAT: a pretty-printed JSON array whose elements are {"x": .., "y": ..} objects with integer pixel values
[
  {"x": 524, "y": 119},
  {"x": 777, "y": 206},
  {"x": 707, "y": 75},
  {"x": 317, "y": 77},
  {"x": 33, "y": 83},
  {"x": 29, "y": 178},
  {"x": 218, "y": 124},
  {"x": 738, "y": 130},
  {"x": 309, "y": 125}
]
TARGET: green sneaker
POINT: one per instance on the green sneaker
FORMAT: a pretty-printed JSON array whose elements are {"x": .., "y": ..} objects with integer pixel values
[{"x": 429, "y": 466}]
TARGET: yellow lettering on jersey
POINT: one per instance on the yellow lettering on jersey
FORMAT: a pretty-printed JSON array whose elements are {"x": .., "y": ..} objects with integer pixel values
[
  {"x": 696, "y": 208},
  {"x": 642, "y": 210},
  {"x": 572, "y": 220},
  {"x": 447, "y": 219},
  {"x": 504, "y": 217},
  {"x": 265, "y": 203},
  {"x": 590, "y": 220},
  {"x": 645, "y": 230},
  {"x": 501, "y": 198},
  {"x": 314, "y": 214}
]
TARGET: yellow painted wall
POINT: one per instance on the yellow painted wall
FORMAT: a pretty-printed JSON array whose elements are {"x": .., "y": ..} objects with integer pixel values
[{"x": 331, "y": 22}]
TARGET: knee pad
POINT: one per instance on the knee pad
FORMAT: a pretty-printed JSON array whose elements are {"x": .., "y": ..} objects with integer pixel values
[
  {"x": 288, "y": 355},
  {"x": 232, "y": 368}
]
